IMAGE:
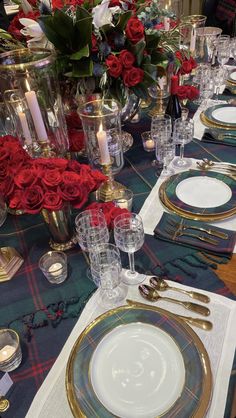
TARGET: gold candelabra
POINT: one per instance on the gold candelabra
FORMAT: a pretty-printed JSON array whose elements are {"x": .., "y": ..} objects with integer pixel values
[
  {"x": 158, "y": 108},
  {"x": 108, "y": 190}
]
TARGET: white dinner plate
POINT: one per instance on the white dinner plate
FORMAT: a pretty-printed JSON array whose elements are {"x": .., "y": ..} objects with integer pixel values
[
  {"x": 132, "y": 371},
  {"x": 225, "y": 114},
  {"x": 203, "y": 192},
  {"x": 232, "y": 76}
]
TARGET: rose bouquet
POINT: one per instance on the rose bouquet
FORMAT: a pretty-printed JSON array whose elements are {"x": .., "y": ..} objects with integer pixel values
[
  {"x": 44, "y": 183},
  {"x": 109, "y": 46}
]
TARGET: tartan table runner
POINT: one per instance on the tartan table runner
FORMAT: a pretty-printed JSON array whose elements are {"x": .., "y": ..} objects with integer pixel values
[{"x": 44, "y": 314}]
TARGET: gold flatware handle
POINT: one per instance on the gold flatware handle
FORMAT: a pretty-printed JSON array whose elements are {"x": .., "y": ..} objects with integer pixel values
[
  {"x": 198, "y": 296},
  {"x": 202, "y": 310},
  {"x": 209, "y": 231},
  {"x": 200, "y": 323},
  {"x": 201, "y": 238}
]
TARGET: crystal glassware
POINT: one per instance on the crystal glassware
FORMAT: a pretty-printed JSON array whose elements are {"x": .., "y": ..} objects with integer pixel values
[
  {"x": 53, "y": 265},
  {"x": 148, "y": 142},
  {"x": 182, "y": 134},
  {"x": 123, "y": 199},
  {"x": 129, "y": 237},
  {"x": 166, "y": 153},
  {"x": 10, "y": 350},
  {"x": 160, "y": 125},
  {"x": 105, "y": 264},
  {"x": 91, "y": 229}
]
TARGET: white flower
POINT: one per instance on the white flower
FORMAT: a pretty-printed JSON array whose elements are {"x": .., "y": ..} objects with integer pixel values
[
  {"x": 33, "y": 30},
  {"x": 102, "y": 14}
]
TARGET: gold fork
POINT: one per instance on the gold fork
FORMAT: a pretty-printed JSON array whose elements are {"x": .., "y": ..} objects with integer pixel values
[
  {"x": 209, "y": 231},
  {"x": 180, "y": 233}
]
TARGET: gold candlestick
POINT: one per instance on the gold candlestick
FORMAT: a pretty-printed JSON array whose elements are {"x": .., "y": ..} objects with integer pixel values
[
  {"x": 10, "y": 262},
  {"x": 109, "y": 188},
  {"x": 158, "y": 109}
]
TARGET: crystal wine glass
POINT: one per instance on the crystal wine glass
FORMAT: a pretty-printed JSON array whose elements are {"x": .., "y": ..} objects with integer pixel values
[
  {"x": 223, "y": 50},
  {"x": 129, "y": 237},
  {"x": 182, "y": 134},
  {"x": 106, "y": 270},
  {"x": 91, "y": 230},
  {"x": 160, "y": 125},
  {"x": 166, "y": 153}
]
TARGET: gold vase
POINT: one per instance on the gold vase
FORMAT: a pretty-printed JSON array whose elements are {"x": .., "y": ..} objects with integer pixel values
[{"x": 59, "y": 225}]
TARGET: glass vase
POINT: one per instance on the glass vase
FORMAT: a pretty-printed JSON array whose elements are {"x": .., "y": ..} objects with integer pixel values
[{"x": 30, "y": 90}]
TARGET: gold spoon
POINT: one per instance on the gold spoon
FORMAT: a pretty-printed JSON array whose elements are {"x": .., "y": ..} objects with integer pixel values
[
  {"x": 200, "y": 323},
  {"x": 160, "y": 284},
  {"x": 147, "y": 292}
]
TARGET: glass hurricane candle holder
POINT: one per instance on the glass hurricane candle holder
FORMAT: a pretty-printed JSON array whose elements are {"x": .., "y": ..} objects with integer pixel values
[
  {"x": 102, "y": 130},
  {"x": 10, "y": 350},
  {"x": 30, "y": 89}
]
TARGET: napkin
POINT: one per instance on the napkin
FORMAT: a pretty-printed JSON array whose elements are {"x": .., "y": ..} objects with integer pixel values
[
  {"x": 165, "y": 231},
  {"x": 211, "y": 136}
]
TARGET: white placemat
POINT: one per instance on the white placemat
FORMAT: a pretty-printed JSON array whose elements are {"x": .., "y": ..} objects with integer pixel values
[
  {"x": 153, "y": 205},
  {"x": 51, "y": 400}
]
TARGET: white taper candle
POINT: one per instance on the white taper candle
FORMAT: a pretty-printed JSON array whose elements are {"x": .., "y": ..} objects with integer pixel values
[
  {"x": 103, "y": 146},
  {"x": 36, "y": 115}
]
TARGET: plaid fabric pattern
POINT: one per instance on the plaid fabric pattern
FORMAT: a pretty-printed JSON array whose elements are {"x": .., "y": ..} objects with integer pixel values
[
  {"x": 226, "y": 15},
  {"x": 27, "y": 298}
]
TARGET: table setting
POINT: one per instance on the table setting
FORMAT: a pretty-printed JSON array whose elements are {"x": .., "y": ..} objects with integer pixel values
[{"x": 118, "y": 188}]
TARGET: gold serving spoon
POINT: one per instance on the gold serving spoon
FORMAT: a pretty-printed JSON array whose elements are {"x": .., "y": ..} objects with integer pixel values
[
  {"x": 160, "y": 284},
  {"x": 200, "y": 323},
  {"x": 147, "y": 292}
]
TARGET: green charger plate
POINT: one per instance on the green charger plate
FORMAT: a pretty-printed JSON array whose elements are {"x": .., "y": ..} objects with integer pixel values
[
  {"x": 172, "y": 183},
  {"x": 196, "y": 393},
  {"x": 210, "y": 117}
]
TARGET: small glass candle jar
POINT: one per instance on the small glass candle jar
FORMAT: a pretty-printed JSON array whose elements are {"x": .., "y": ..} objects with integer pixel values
[
  {"x": 148, "y": 142},
  {"x": 10, "y": 350},
  {"x": 124, "y": 199},
  {"x": 53, "y": 264}
]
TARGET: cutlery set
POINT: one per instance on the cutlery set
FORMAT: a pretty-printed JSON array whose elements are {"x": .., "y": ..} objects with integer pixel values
[
  {"x": 178, "y": 229},
  {"x": 227, "y": 168}
]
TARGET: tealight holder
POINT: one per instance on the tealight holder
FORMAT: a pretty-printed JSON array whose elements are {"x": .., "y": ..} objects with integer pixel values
[
  {"x": 148, "y": 142},
  {"x": 103, "y": 139},
  {"x": 124, "y": 199},
  {"x": 53, "y": 265},
  {"x": 10, "y": 350},
  {"x": 30, "y": 90}
]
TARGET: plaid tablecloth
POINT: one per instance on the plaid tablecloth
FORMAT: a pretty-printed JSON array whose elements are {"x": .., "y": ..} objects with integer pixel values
[{"x": 44, "y": 314}]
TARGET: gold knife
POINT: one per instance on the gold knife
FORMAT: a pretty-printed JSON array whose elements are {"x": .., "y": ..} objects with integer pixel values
[{"x": 200, "y": 323}]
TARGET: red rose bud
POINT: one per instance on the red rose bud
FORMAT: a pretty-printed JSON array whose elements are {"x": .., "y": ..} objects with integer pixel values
[
  {"x": 193, "y": 93},
  {"x": 52, "y": 201},
  {"x": 134, "y": 30},
  {"x": 182, "y": 92},
  {"x": 114, "y": 66},
  {"x": 32, "y": 199},
  {"x": 127, "y": 59},
  {"x": 132, "y": 76}
]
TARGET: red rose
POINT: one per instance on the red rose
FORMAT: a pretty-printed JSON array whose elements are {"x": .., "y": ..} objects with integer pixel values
[
  {"x": 193, "y": 93},
  {"x": 73, "y": 121},
  {"x": 76, "y": 140},
  {"x": 94, "y": 43},
  {"x": 182, "y": 92},
  {"x": 133, "y": 76},
  {"x": 74, "y": 193},
  {"x": 7, "y": 186},
  {"x": 4, "y": 154},
  {"x": 127, "y": 58},
  {"x": 52, "y": 201},
  {"x": 26, "y": 178},
  {"x": 69, "y": 177},
  {"x": 186, "y": 67},
  {"x": 15, "y": 201},
  {"x": 60, "y": 163},
  {"x": 193, "y": 62},
  {"x": 114, "y": 66},
  {"x": 32, "y": 199},
  {"x": 178, "y": 55},
  {"x": 134, "y": 30},
  {"x": 3, "y": 169},
  {"x": 114, "y": 3},
  {"x": 51, "y": 177}
]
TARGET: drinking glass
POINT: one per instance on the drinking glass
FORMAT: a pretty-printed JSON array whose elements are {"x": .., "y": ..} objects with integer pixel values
[
  {"x": 160, "y": 125},
  {"x": 106, "y": 270},
  {"x": 91, "y": 231},
  {"x": 218, "y": 75},
  {"x": 223, "y": 50},
  {"x": 166, "y": 153},
  {"x": 182, "y": 134},
  {"x": 129, "y": 237}
]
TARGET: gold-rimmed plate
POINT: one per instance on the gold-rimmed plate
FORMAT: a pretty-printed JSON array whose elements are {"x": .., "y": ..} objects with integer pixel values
[
  {"x": 214, "y": 196},
  {"x": 210, "y": 117},
  {"x": 126, "y": 373}
]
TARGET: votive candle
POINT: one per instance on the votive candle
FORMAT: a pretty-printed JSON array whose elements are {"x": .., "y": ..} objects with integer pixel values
[
  {"x": 150, "y": 144},
  {"x": 6, "y": 352}
]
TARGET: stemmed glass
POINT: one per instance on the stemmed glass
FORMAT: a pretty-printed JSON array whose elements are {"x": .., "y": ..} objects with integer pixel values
[
  {"x": 105, "y": 264},
  {"x": 166, "y": 153},
  {"x": 160, "y": 125},
  {"x": 223, "y": 50},
  {"x": 91, "y": 230},
  {"x": 129, "y": 237},
  {"x": 182, "y": 134}
]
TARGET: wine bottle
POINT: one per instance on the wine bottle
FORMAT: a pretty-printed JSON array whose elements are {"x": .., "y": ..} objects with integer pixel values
[{"x": 173, "y": 108}]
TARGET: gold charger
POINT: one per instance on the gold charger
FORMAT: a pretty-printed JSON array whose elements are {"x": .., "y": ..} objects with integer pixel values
[{"x": 207, "y": 122}]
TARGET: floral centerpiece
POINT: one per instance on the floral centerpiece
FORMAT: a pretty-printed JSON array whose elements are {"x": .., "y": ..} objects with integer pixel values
[
  {"x": 107, "y": 45},
  {"x": 44, "y": 183}
]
